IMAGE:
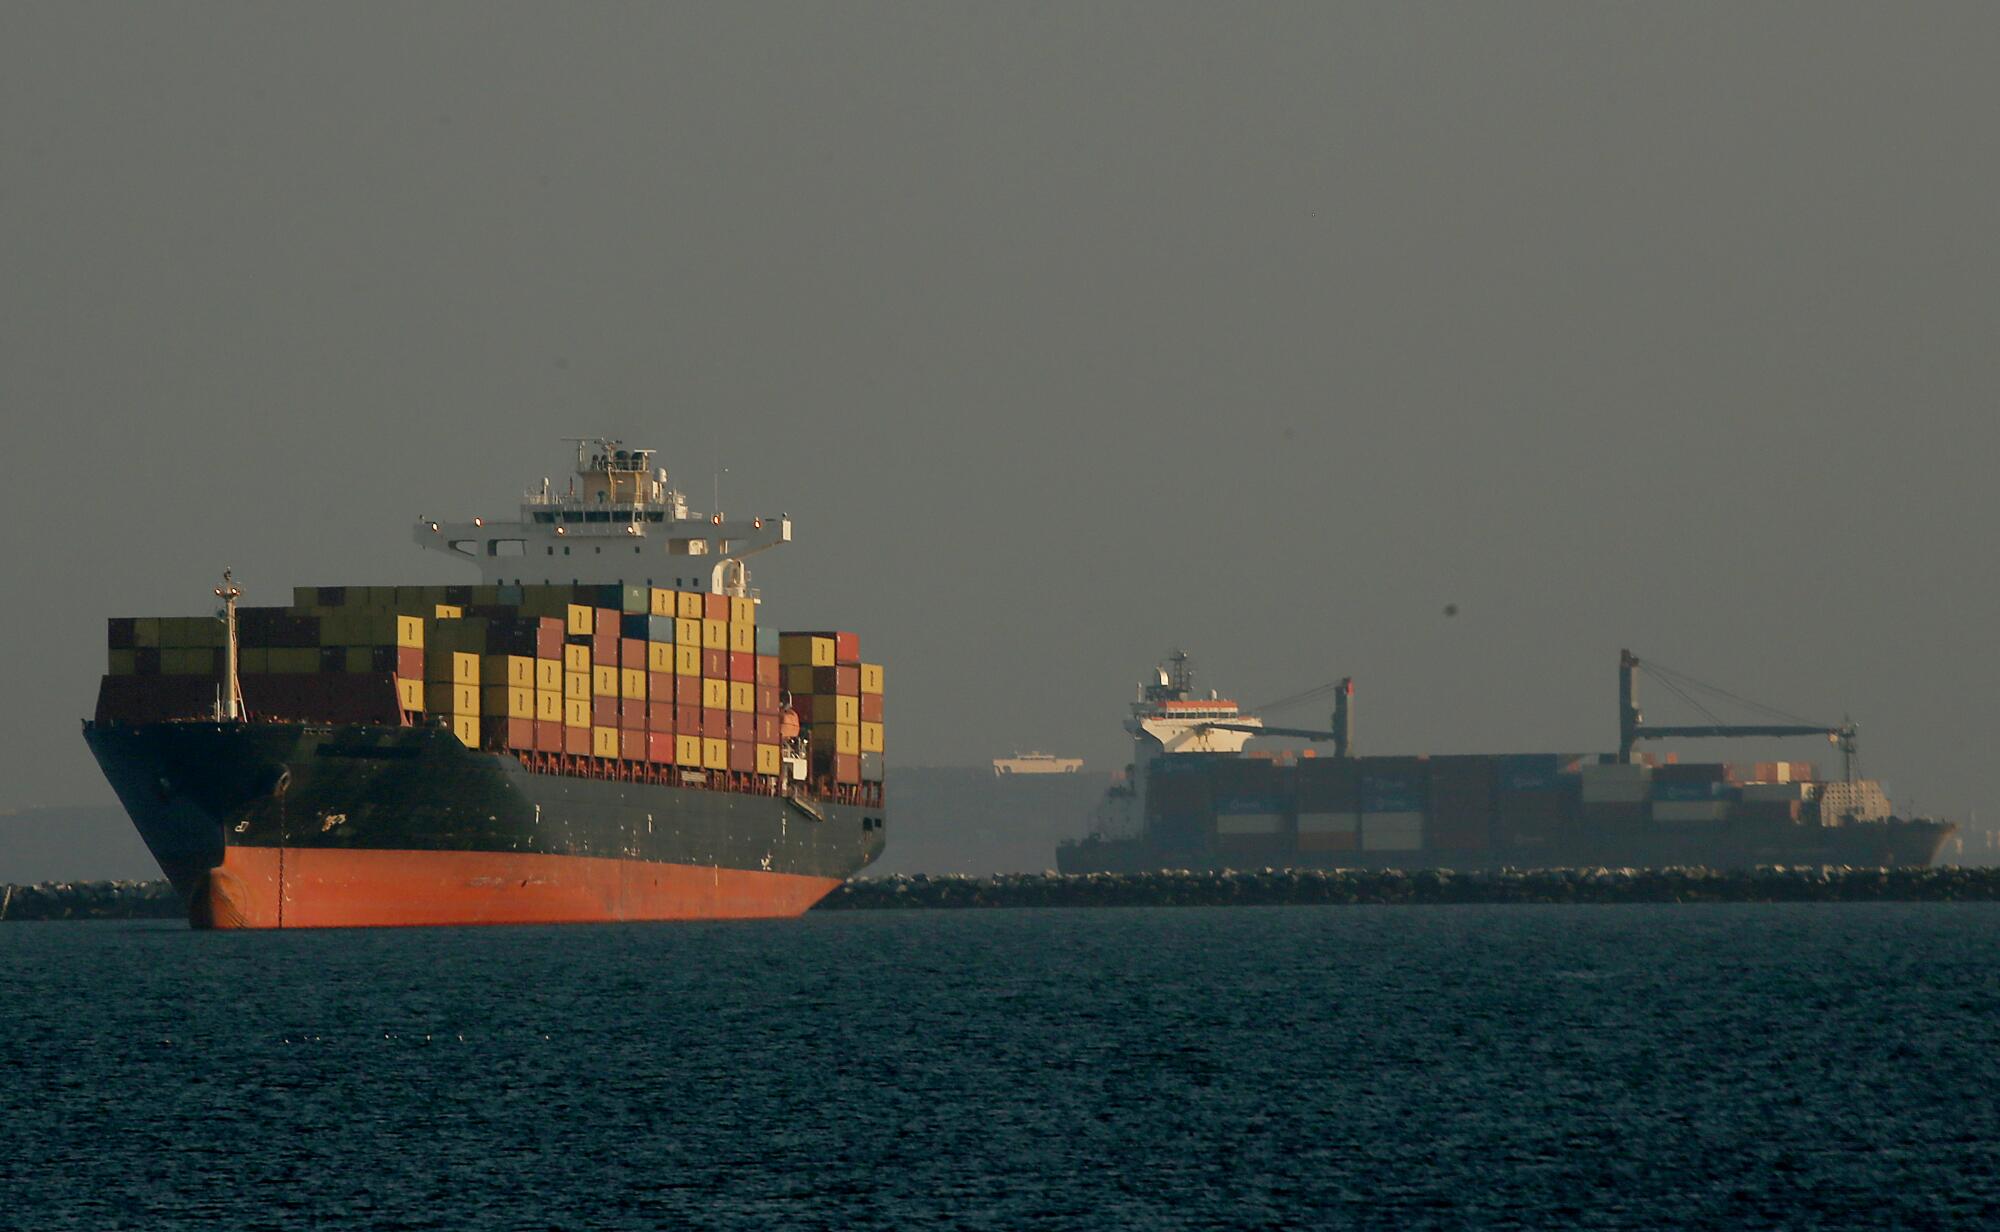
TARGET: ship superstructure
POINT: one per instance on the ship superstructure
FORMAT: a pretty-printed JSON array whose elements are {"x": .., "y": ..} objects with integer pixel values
[{"x": 615, "y": 520}]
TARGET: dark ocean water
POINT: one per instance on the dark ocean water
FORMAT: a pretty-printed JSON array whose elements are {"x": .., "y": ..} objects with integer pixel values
[{"x": 1655, "y": 1067}]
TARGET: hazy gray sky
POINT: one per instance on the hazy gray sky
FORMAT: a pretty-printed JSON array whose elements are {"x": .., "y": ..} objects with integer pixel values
[{"x": 1066, "y": 332}]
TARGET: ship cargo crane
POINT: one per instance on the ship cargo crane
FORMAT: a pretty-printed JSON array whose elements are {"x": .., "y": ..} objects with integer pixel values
[
  {"x": 1632, "y": 725},
  {"x": 1340, "y": 730}
]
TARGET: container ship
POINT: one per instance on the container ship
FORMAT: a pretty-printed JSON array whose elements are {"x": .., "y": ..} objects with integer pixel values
[
  {"x": 1196, "y": 799},
  {"x": 602, "y": 728}
]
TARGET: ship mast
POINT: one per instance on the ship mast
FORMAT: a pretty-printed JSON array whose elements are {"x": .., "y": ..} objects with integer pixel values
[{"x": 230, "y": 705}]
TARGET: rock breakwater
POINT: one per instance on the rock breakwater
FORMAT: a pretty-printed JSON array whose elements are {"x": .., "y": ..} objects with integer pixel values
[
  {"x": 1360, "y": 886},
  {"x": 90, "y": 900}
]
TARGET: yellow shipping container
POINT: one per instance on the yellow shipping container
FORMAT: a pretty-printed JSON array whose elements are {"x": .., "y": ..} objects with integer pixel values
[
  {"x": 146, "y": 631},
  {"x": 688, "y": 604},
  {"x": 632, "y": 684},
  {"x": 767, "y": 759},
  {"x": 742, "y": 697},
  {"x": 576, "y": 712},
  {"x": 123, "y": 663},
  {"x": 714, "y": 694},
  {"x": 604, "y": 682},
  {"x": 742, "y": 611},
  {"x": 604, "y": 742},
  {"x": 715, "y": 635},
  {"x": 501, "y": 701},
  {"x": 441, "y": 697},
  {"x": 548, "y": 705},
  {"x": 687, "y": 660},
  {"x": 871, "y": 677},
  {"x": 871, "y": 737},
  {"x": 548, "y": 675},
  {"x": 449, "y": 611},
  {"x": 256, "y": 660},
  {"x": 742, "y": 637},
  {"x": 714, "y": 754},
  {"x": 687, "y": 750},
  {"x": 410, "y": 632},
  {"x": 799, "y": 679},
  {"x": 660, "y": 602},
  {"x": 660, "y": 655},
  {"x": 847, "y": 739},
  {"x": 579, "y": 620},
  {"x": 514, "y": 671},
  {"x": 466, "y": 728},
  {"x": 576, "y": 658},
  {"x": 576, "y": 684},
  {"x": 842, "y": 710},
  {"x": 804, "y": 648},
  {"x": 410, "y": 694},
  {"x": 687, "y": 631}
]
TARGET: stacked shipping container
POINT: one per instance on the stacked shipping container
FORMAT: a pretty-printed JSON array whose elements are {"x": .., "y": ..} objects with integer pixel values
[
  {"x": 625, "y": 674},
  {"x": 838, "y": 699},
  {"x": 1259, "y": 811}
]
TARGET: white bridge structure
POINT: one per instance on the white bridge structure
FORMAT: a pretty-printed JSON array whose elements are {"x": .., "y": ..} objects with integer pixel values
[{"x": 616, "y": 521}]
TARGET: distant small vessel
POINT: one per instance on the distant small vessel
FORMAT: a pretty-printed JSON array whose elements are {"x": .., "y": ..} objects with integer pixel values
[{"x": 1037, "y": 763}]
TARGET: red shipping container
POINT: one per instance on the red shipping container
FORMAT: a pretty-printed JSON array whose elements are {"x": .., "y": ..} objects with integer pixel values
[
  {"x": 660, "y": 747},
  {"x": 768, "y": 701},
  {"x": 846, "y": 768},
  {"x": 742, "y": 726},
  {"x": 548, "y": 737},
  {"x": 576, "y": 741},
  {"x": 660, "y": 687},
  {"x": 767, "y": 728},
  {"x": 768, "y": 672},
  {"x": 660, "y": 717},
  {"x": 604, "y": 712},
  {"x": 742, "y": 757},
  {"x": 604, "y": 650},
  {"x": 410, "y": 662},
  {"x": 519, "y": 733},
  {"x": 742, "y": 667},
  {"x": 847, "y": 653},
  {"x": 715, "y": 607},
  {"x": 871, "y": 707},
  {"x": 687, "y": 720},
  {"x": 632, "y": 716},
  {"x": 632, "y": 652},
  {"x": 687, "y": 691},
  {"x": 715, "y": 664},
  {"x": 632, "y": 745},
  {"x": 714, "y": 724},
  {"x": 548, "y": 638}
]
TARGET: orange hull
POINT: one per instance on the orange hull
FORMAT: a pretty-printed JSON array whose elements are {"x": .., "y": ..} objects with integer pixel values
[{"x": 261, "y": 887}]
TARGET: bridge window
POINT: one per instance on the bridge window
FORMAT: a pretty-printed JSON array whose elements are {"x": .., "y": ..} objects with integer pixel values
[
  {"x": 545, "y": 517},
  {"x": 597, "y": 515}
]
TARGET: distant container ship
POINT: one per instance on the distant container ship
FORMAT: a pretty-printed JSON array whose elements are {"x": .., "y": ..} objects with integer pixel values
[
  {"x": 1196, "y": 800},
  {"x": 603, "y": 729}
]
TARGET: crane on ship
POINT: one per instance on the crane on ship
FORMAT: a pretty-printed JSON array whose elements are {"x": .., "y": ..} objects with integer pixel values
[{"x": 1632, "y": 725}]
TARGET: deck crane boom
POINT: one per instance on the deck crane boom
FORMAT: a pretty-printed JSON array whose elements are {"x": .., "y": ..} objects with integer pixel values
[{"x": 1632, "y": 725}]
